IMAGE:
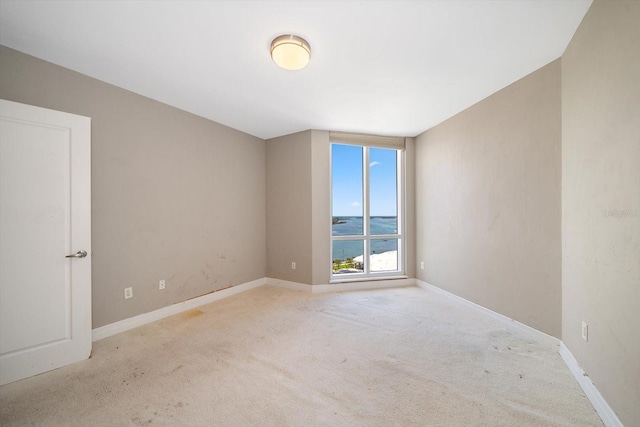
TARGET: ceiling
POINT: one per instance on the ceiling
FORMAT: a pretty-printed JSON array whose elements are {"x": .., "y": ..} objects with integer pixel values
[{"x": 380, "y": 67}]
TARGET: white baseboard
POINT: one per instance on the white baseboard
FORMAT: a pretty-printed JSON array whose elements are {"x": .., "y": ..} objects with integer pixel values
[
  {"x": 161, "y": 313},
  {"x": 292, "y": 286},
  {"x": 341, "y": 287},
  {"x": 508, "y": 322},
  {"x": 361, "y": 286},
  {"x": 609, "y": 418}
]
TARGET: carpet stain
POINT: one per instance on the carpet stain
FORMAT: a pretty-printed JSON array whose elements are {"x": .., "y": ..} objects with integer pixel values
[{"x": 191, "y": 314}]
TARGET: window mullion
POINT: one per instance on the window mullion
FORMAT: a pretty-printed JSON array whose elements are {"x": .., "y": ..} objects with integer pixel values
[
  {"x": 366, "y": 218},
  {"x": 400, "y": 211}
]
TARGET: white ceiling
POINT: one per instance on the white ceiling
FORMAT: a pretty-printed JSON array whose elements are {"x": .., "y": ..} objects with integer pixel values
[{"x": 381, "y": 67}]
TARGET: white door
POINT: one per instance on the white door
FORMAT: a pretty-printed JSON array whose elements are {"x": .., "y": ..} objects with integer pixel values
[{"x": 45, "y": 215}]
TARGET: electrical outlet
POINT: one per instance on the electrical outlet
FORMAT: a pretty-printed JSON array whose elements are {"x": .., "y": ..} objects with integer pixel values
[
  {"x": 128, "y": 293},
  {"x": 162, "y": 284},
  {"x": 421, "y": 265},
  {"x": 293, "y": 265},
  {"x": 585, "y": 331}
]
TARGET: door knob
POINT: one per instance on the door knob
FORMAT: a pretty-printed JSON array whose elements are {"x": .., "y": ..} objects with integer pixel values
[{"x": 79, "y": 254}]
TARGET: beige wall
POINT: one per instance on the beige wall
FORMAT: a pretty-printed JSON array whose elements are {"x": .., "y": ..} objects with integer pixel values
[
  {"x": 410, "y": 206},
  {"x": 289, "y": 207},
  {"x": 321, "y": 206},
  {"x": 174, "y": 196},
  {"x": 488, "y": 202},
  {"x": 601, "y": 201},
  {"x": 298, "y": 207}
]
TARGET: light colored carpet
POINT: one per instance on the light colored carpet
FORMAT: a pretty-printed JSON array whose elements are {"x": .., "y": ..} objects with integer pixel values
[{"x": 274, "y": 357}]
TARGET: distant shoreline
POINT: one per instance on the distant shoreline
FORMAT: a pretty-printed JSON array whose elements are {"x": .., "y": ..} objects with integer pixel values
[
  {"x": 382, "y": 233},
  {"x": 372, "y": 216}
]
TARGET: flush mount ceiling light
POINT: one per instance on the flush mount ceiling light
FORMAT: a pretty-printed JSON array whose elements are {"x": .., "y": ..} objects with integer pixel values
[{"x": 290, "y": 52}]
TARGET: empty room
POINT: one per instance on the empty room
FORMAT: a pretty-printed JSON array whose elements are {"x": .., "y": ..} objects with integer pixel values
[{"x": 331, "y": 213}]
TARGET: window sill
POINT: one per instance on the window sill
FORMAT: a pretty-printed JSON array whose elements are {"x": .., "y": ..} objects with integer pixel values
[{"x": 368, "y": 278}]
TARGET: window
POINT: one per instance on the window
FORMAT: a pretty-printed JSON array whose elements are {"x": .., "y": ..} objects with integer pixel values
[{"x": 366, "y": 187}]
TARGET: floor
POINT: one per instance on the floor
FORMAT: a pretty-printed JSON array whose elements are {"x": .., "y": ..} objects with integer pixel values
[{"x": 275, "y": 357}]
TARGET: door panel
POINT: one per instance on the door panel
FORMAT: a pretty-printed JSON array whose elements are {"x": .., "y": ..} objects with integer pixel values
[{"x": 45, "y": 297}]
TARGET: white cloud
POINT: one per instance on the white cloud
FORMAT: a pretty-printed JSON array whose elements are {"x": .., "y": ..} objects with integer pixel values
[
  {"x": 355, "y": 204},
  {"x": 374, "y": 163}
]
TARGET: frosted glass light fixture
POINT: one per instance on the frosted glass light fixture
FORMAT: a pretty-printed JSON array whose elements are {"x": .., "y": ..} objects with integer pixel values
[{"x": 290, "y": 52}]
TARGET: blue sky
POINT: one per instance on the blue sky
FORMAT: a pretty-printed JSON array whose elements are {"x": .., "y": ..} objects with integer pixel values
[{"x": 346, "y": 162}]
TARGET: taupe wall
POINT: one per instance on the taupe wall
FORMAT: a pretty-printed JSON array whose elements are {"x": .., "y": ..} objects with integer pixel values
[
  {"x": 488, "y": 202},
  {"x": 410, "y": 206},
  {"x": 321, "y": 206},
  {"x": 289, "y": 207},
  {"x": 174, "y": 196},
  {"x": 601, "y": 201}
]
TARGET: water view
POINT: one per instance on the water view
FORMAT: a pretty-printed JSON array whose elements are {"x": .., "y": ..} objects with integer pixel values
[
  {"x": 348, "y": 255},
  {"x": 364, "y": 176}
]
